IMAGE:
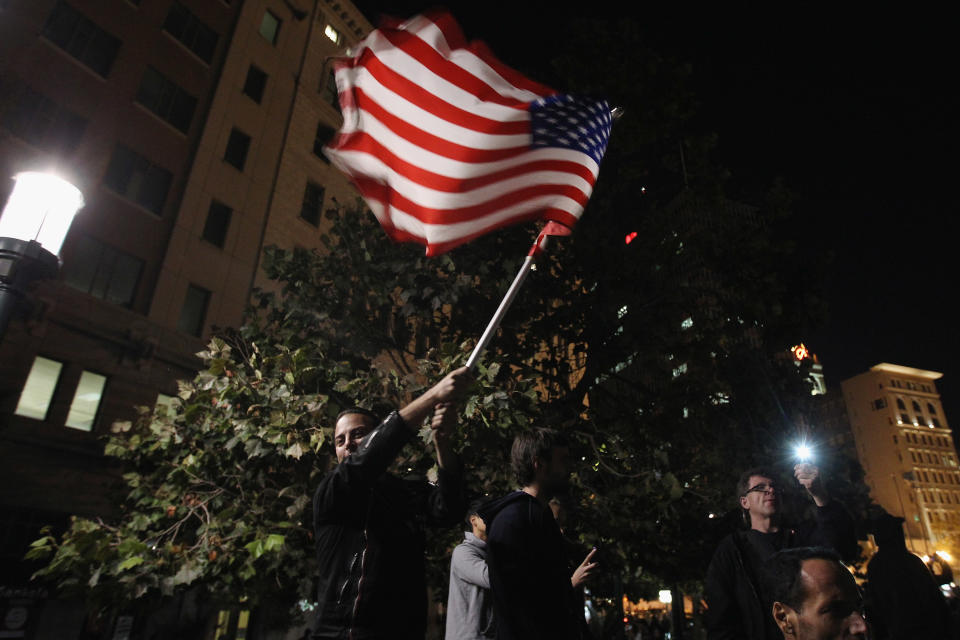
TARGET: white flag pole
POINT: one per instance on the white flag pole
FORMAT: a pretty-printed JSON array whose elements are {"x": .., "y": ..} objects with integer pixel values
[{"x": 528, "y": 264}]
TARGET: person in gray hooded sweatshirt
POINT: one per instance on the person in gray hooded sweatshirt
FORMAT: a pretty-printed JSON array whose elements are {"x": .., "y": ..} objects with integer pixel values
[{"x": 469, "y": 607}]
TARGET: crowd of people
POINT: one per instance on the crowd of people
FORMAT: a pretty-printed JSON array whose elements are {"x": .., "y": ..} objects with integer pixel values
[{"x": 512, "y": 577}]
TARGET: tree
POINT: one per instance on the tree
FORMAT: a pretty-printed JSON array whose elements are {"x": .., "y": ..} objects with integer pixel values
[{"x": 656, "y": 355}]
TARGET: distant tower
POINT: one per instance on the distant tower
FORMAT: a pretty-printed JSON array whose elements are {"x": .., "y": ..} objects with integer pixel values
[
  {"x": 907, "y": 452},
  {"x": 818, "y": 384}
]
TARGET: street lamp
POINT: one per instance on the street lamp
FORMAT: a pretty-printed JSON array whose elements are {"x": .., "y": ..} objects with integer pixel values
[{"x": 33, "y": 226}]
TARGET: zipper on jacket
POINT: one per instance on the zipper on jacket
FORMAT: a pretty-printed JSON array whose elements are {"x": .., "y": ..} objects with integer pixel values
[
  {"x": 363, "y": 567},
  {"x": 343, "y": 589}
]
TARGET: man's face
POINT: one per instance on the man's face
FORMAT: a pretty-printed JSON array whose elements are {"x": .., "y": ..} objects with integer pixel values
[
  {"x": 832, "y": 608},
  {"x": 350, "y": 430},
  {"x": 554, "y": 474},
  {"x": 762, "y": 498}
]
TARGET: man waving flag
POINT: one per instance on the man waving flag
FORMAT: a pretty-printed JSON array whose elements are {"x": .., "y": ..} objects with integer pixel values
[{"x": 445, "y": 143}]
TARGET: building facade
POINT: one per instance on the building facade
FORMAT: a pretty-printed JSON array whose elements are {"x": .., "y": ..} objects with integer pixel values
[
  {"x": 193, "y": 128},
  {"x": 907, "y": 452}
]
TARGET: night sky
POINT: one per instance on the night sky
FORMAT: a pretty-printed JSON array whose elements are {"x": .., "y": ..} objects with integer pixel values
[{"x": 857, "y": 113}]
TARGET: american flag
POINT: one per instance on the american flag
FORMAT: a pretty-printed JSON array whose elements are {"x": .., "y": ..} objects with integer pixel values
[{"x": 445, "y": 143}]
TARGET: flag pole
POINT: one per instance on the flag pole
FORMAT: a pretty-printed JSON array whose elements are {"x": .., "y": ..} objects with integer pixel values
[{"x": 538, "y": 247}]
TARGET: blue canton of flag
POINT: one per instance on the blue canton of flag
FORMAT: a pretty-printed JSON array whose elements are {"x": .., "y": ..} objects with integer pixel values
[{"x": 571, "y": 122}]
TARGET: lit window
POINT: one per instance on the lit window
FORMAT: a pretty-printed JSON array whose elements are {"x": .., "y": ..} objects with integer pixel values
[
  {"x": 86, "y": 401},
  {"x": 687, "y": 323},
  {"x": 270, "y": 27},
  {"x": 38, "y": 389},
  {"x": 679, "y": 371},
  {"x": 332, "y": 34},
  {"x": 622, "y": 311}
]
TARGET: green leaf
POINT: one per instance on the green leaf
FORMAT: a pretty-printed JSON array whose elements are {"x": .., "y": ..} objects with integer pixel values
[
  {"x": 274, "y": 541},
  {"x": 129, "y": 563},
  {"x": 255, "y": 548}
]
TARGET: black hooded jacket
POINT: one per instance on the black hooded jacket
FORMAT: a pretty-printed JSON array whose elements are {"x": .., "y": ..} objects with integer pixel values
[
  {"x": 369, "y": 528},
  {"x": 529, "y": 577}
]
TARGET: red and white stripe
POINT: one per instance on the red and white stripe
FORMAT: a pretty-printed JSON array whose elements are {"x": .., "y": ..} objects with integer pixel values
[{"x": 436, "y": 136}]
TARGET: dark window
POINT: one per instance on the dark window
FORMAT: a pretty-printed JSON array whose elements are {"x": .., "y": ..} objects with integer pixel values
[
  {"x": 188, "y": 29},
  {"x": 77, "y": 35},
  {"x": 324, "y": 133},
  {"x": 166, "y": 99},
  {"x": 237, "y": 147},
  {"x": 932, "y": 409},
  {"x": 900, "y": 404},
  {"x": 218, "y": 221},
  {"x": 136, "y": 178},
  {"x": 42, "y": 122},
  {"x": 328, "y": 89},
  {"x": 194, "y": 310},
  {"x": 270, "y": 27},
  {"x": 935, "y": 422},
  {"x": 255, "y": 83},
  {"x": 102, "y": 271},
  {"x": 312, "y": 203}
]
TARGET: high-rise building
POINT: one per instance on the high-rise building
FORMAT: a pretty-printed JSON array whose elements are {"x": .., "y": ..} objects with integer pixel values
[
  {"x": 907, "y": 452},
  {"x": 193, "y": 128}
]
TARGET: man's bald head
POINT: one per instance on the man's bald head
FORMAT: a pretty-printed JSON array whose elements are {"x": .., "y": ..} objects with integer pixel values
[{"x": 814, "y": 596}]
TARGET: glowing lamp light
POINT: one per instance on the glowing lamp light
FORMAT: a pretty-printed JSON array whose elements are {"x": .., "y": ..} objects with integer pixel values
[
  {"x": 630, "y": 237},
  {"x": 41, "y": 209},
  {"x": 665, "y": 596},
  {"x": 946, "y": 556},
  {"x": 33, "y": 225}
]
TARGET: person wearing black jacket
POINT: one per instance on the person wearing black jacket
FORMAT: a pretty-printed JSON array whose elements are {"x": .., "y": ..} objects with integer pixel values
[
  {"x": 737, "y": 607},
  {"x": 530, "y": 582},
  {"x": 369, "y": 524}
]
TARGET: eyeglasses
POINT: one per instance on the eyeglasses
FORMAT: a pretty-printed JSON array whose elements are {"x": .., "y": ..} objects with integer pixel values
[{"x": 763, "y": 487}]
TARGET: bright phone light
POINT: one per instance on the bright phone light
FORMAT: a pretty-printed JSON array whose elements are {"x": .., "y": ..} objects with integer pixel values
[{"x": 803, "y": 452}]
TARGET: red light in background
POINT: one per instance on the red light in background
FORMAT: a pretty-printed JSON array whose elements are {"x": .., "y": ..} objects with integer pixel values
[
  {"x": 800, "y": 351},
  {"x": 630, "y": 237}
]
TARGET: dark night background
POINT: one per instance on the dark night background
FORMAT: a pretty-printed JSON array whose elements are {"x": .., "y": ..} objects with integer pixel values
[{"x": 856, "y": 111}]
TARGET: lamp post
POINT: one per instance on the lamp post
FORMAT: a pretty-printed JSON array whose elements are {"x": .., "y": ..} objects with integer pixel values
[{"x": 33, "y": 226}]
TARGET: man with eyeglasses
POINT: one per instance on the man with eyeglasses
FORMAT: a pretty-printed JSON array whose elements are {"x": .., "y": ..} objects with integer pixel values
[{"x": 737, "y": 607}]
